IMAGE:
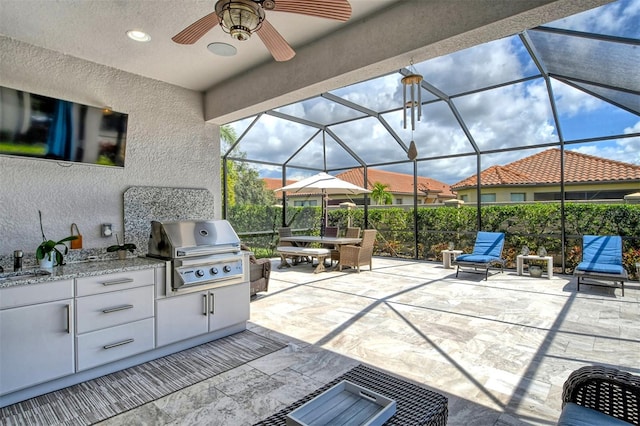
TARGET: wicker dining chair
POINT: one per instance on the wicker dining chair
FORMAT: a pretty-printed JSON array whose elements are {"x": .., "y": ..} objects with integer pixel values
[
  {"x": 351, "y": 232},
  {"x": 330, "y": 231},
  {"x": 356, "y": 256}
]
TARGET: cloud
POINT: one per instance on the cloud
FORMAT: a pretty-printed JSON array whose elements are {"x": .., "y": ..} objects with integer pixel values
[{"x": 517, "y": 115}]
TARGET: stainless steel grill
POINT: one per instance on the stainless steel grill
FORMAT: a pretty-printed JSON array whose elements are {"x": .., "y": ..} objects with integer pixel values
[{"x": 203, "y": 254}]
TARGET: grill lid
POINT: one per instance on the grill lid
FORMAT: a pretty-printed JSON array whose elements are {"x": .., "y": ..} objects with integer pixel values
[{"x": 192, "y": 238}]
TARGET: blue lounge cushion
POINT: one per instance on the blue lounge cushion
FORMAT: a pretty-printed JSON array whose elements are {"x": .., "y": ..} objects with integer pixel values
[
  {"x": 603, "y": 268},
  {"x": 489, "y": 244},
  {"x": 577, "y": 415},
  {"x": 598, "y": 250},
  {"x": 476, "y": 258}
]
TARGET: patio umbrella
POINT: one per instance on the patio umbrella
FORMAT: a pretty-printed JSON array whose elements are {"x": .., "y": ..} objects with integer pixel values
[{"x": 325, "y": 184}]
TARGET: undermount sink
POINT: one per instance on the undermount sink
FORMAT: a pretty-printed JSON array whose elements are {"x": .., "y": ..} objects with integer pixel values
[{"x": 22, "y": 275}]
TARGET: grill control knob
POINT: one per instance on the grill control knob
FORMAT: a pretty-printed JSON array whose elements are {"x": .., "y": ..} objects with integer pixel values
[
  {"x": 199, "y": 273},
  {"x": 214, "y": 271},
  {"x": 226, "y": 268}
]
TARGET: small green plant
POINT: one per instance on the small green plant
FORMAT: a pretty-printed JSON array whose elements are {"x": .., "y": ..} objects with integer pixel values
[
  {"x": 121, "y": 247},
  {"x": 49, "y": 248}
]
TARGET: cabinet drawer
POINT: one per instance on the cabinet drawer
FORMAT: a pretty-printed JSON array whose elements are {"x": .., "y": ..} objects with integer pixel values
[
  {"x": 112, "y": 344},
  {"x": 111, "y": 282},
  {"x": 30, "y": 294},
  {"x": 115, "y": 308}
]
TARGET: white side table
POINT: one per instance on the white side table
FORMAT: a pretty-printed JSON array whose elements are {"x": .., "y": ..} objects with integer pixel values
[
  {"x": 448, "y": 257},
  {"x": 521, "y": 258}
]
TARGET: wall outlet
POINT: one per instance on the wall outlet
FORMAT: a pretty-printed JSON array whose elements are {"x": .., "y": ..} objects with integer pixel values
[{"x": 106, "y": 230}]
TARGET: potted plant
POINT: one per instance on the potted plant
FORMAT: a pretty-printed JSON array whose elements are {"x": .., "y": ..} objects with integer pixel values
[
  {"x": 47, "y": 252},
  {"x": 121, "y": 248}
]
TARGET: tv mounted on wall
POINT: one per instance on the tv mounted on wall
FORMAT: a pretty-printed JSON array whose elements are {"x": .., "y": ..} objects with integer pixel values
[{"x": 37, "y": 126}]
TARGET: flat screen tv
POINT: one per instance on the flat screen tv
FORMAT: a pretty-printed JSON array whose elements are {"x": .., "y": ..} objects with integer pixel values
[{"x": 37, "y": 126}]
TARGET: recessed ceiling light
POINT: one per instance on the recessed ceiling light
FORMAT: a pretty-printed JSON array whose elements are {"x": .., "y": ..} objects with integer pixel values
[
  {"x": 138, "y": 35},
  {"x": 222, "y": 49}
]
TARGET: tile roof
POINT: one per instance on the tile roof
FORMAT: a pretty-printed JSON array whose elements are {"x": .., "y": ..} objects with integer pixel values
[
  {"x": 275, "y": 183},
  {"x": 544, "y": 167},
  {"x": 398, "y": 183}
]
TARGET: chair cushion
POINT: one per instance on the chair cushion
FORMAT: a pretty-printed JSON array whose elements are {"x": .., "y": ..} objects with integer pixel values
[
  {"x": 577, "y": 415},
  {"x": 603, "y": 268},
  {"x": 489, "y": 244},
  {"x": 476, "y": 258},
  {"x": 598, "y": 250}
]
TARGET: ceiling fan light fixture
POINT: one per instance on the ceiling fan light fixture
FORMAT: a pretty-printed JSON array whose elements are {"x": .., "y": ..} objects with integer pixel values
[{"x": 240, "y": 18}]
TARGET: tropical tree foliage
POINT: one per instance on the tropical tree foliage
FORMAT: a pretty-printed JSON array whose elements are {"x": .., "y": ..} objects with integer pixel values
[
  {"x": 380, "y": 195},
  {"x": 244, "y": 185}
]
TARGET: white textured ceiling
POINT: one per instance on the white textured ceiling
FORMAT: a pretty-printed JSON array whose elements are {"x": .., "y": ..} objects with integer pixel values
[{"x": 95, "y": 30}]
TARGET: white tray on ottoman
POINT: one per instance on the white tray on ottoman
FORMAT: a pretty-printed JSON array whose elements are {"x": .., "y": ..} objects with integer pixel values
[{"x": 344, "y": 404}]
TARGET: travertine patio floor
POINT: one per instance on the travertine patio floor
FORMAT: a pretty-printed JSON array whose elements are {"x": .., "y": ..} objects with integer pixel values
[{"x": 499, "y": 349}]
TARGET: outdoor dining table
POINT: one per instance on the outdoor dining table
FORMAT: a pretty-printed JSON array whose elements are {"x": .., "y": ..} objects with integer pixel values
[{"x": 306, "y": 240}]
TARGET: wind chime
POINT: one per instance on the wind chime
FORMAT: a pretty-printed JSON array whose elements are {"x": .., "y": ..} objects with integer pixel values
[{"x": 412, "y": 87}]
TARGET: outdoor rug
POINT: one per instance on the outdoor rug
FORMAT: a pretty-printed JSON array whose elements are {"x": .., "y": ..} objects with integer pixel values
[{"x": 98, "y": 399}]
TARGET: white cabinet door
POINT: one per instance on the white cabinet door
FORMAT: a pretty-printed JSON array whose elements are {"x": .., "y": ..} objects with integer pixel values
[
  {"x": 228, "y": 306},
  {"x": 181, "y": 317},
  {"x": 36, "y": 344}
]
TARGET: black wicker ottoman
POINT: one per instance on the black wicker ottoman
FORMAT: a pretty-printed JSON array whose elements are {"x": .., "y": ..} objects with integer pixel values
[{"x": 415, "y": 405}]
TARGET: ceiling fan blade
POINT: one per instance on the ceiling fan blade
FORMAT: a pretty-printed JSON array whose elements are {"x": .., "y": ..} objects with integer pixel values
[
  {"x": 332, "y": 9},
  {"x": 195, "y": 31},
  {"x": 275, "y": 43}
]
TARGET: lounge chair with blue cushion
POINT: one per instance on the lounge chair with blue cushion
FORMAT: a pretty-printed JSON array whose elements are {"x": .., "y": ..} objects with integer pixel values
[
  {"x": 601, "y": 261},
  {"x": 487, "y": 251}
]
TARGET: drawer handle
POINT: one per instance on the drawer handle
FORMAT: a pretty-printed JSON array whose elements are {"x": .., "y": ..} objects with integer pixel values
[
  {"x": 116, "y": 282},
  {"x": 116, "y": 309},
  {"x": 68, "y": 309},
  {"x": 113, "y": 345}
]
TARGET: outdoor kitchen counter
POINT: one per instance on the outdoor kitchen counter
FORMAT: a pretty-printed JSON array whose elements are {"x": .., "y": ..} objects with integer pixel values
[{"x": 82, "y": 269}]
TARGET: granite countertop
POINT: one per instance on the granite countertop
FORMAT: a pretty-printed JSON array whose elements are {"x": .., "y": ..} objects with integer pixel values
[{"x": 79, "y": 269}]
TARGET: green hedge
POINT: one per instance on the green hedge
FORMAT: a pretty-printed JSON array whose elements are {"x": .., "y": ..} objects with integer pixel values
[{"x": 524, "y": 224}]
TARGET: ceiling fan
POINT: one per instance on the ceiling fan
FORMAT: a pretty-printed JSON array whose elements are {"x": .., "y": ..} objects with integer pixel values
[{"x": 242, "y": 18}]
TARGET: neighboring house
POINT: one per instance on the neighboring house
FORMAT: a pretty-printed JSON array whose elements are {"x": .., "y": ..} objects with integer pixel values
[
  {"x": 537, "y": 178},
  {"x": 296, "y": 200},
  {"x": 399, "y": 185}
]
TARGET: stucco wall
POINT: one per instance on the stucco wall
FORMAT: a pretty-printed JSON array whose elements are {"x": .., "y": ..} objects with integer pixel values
[{"x": 168, "y": 144}]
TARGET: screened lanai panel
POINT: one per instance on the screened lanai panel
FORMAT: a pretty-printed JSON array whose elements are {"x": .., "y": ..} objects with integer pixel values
[
  {"x": 320, "y": 110},
  {"x": 583, "y": 116},
  {"x": 619, "y": 19},
  {"x": 370, "y": 141},
  {"x": 437, "y": 134},
  {"x": 488, "y": 64},
  {"x": 607, "y": 63},
  {"x": 323, "y": 153},
  {"x": 511, "y": 116},
  {"x": 448, "y": 170},
  {"x": 271, "y": 139},
  {"x": 625, "y": 99},
  {"x": 379, "y": 94}
]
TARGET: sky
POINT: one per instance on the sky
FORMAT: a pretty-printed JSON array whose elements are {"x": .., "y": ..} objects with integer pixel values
[{"x": 504, "y": 117}]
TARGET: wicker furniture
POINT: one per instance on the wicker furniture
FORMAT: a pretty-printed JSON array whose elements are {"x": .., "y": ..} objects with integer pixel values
[
  {"x": 592, "y": 391},
  {"x": 415, "y": 405},
  {"x": 330, "y": 231},
  {"x": 487, "y": 251},
  {"x": 356, "y": 256},
  {"x": 351, "y": 232},
  {"x": 601, "y": 261},
  {"x": 259, "y": 272}
]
